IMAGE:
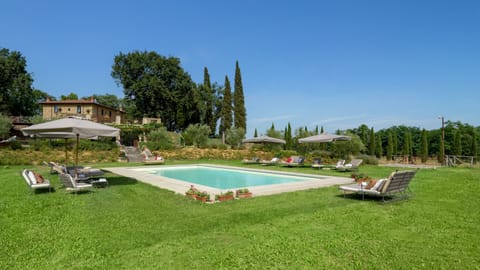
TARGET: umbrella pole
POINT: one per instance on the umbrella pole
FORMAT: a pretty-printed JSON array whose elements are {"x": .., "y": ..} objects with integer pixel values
[
  {"x": 76, "y": 157},
  {"x": 66, "y": 151}
]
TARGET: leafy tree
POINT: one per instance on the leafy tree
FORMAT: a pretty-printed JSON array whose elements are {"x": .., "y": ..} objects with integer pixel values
[
  {"x": 16, "y": 93},
  {"x": 239, "y": 111},
  {"x": 5, "y": 126},
  {"x": 108, "y": 100},
  {"x": 274, "y": 133},
  {"x": 158, "y": 86},
  {"x": 71, "y": 96},
  {"x": 424, "y": 147},
  {"x": 226, "y": 114},
  {"x": 343, "y": 149},
  {"x": 234, "y": 136},
  {"x": 390, "y": 145},
  {"x": 196, "y": 134},
  {"x": 40, "y": 96}
]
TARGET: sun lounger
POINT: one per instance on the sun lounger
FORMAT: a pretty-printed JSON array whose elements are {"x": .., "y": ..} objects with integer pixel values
[
  {"x": 153, "y": 160},
  {"x": 71, "y": 185},
  {"x": 352, "y": 166},
  {"x": 84, "y": 173},
  {"x": 317, "y": 164},
  {"x": 254, "y": 160},
  {"x": 293, "y": 161},
  {"x": 35, "y": 181},
  {"x": 396, "y": 183},
  {"x": 273, "y": 161}
]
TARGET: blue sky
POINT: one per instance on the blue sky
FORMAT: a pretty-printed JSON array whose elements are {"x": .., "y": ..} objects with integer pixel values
[{"x": 336, "y": 64}]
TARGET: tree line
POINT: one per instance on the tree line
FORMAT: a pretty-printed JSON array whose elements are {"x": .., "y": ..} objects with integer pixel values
[{"x": 461, "y": 139}]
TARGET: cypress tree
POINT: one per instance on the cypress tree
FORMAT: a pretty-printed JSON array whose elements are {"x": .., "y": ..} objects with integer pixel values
[
  {"x": 371, "y": 143},
  {"x": 395, "y": 143},
  {"x": 441, "y": 151},
  {"x": 321, "y": 129},
  {"x": 316, "y": 130},
  {"x": 474, "y": 146},
  {"x": 255, "y": 134},
  {"x": 288, "y": 138},
  {"x": 390, "y": 145},
  {"x": 407, "y": 145},
  {"x": 239, "y": 111},
  {"x": 226, "y": 121},
  {"x": 457, "y": 143},
  {"x": 424, "y": 146},
  {"x": 378, "y": 148},
  {"x": 209, "y": 102}
]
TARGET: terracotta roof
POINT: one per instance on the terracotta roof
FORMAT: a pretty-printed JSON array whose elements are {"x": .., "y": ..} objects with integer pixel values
[{"x": 69, "y": 102}]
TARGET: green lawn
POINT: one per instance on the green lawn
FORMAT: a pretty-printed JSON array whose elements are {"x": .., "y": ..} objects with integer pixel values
[{"x": 131, "y": 225}]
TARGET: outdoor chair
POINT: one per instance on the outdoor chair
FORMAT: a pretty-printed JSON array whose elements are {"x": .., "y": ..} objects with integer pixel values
[
  {"x": 84, "y": 173},
  {"x": 56, "y": 168},
  {"x": 352, "y": 166},
  {"x": 254, "y": 160},
  {"x": 396, "y": 183},
  {"x": 71, "y": 185},
  {"x": 273, "y": 161},
  {"x": 36, "y": 181},
  {"x": 293, "y": 161},
  {"x": 154, "y": 160},
  {"x": 317, "y": 164}
]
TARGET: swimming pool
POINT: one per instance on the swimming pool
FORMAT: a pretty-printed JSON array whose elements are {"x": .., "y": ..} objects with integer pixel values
[
  {"x": 295, "y": 181},
  {"x": 224, "y": 178}
]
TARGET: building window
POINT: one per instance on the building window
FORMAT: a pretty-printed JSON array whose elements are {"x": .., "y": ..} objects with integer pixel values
[
  {"x": 55, "y": 108},
  {"x": 102, "y": 111},
  {"x": 110, "y": 114},
  {"x": 79, "y": 109}
]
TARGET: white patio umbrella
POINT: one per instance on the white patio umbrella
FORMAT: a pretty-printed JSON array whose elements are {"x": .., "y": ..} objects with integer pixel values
[
  {"x": 264, "y": 139},
  {"x": 71, "y": 128},
  {"x": 324, "y": 137}
]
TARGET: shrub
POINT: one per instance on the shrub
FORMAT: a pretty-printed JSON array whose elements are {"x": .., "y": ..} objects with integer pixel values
[
  {"x": 371, "y": 160},
  {"x": 234, "y": 137},
  {"x": 285, "y": 153},
  {"x": 160, "y": 139},
  {"x": 5, "y": 125},
  {"x": 197, "y": 135}
]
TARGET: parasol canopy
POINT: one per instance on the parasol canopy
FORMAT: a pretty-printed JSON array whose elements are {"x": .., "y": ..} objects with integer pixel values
[{"x": 264, "y": 139}]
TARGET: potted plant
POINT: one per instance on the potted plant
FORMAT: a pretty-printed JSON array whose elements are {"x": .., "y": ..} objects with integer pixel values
[
  {"x": 192, "y": 192},
  {"x": 360, "y": 177},
  {"x": 202, "y": 196},
  {"x": 243, "y": 193},
  {"x": 224, "y": 196}
]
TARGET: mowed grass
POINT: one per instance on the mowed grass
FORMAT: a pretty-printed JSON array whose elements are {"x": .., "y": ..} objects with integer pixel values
[{"x": 131, "y": 225}]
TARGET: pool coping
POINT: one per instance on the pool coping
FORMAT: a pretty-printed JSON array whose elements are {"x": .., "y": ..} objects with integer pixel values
[{"x": 180, "y": 187}]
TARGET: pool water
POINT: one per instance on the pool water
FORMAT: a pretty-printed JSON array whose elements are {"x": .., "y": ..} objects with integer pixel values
[{"x": 225, "y": 178}]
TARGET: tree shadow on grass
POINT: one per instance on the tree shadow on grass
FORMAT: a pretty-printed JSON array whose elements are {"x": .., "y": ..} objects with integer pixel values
[
  {"x": 367, "y": 198},
  {"x": 120, "y": 181}
]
